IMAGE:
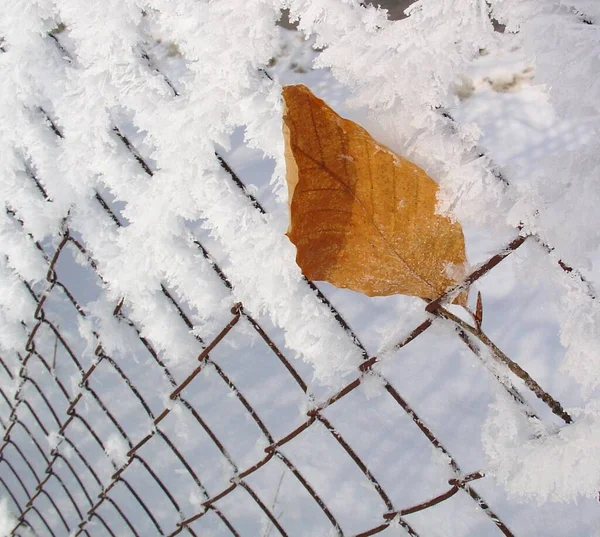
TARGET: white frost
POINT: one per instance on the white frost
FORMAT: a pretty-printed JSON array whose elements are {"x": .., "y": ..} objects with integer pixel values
[{"x": 116, "y": 449}]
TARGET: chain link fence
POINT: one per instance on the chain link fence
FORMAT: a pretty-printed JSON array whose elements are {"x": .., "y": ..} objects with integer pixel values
[{"x": 240, "y": 474}]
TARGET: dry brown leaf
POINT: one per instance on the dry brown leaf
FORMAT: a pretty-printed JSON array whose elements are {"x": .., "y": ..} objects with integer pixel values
[{"x": 362, "y": 217}]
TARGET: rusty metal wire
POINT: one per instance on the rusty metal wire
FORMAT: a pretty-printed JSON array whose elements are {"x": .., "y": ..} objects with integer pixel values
[
  {"x": 93, "y": 497},
  {"x": 119, "y": 476}
]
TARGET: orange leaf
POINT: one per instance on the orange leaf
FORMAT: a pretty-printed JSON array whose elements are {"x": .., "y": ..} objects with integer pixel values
[{"x": 362, "y": 217}]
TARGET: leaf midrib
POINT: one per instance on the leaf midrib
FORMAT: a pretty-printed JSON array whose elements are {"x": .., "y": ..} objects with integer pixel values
[{"x": 368, "y": 217}]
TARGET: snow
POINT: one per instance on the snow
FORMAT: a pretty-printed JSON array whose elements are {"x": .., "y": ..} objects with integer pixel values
[
  {"x": 505, "y": 123},
  {"x": 558, "y": 467},
  {"x": 7, "y": 520},
  {"x": 116, "y": 449}
]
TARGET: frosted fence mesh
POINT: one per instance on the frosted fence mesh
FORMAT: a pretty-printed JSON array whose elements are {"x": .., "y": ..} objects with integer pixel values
[
  {"x": 105, "y": 432},
  {"x": 84, "y": 419}
]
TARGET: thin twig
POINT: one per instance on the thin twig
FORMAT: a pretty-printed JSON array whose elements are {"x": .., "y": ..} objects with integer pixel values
[
  {"x": 269, "y": 527},
  {"x": 506, "y": 384},
  {"x": 501, "y": 357}
]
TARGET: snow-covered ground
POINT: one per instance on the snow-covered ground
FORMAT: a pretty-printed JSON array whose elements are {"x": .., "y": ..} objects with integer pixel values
[{"x": 128, "y": 108}]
